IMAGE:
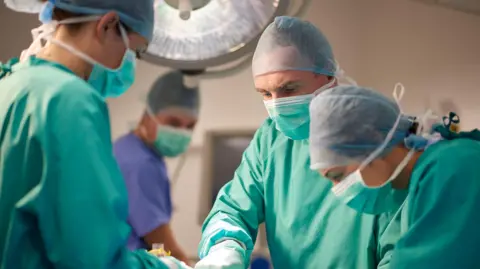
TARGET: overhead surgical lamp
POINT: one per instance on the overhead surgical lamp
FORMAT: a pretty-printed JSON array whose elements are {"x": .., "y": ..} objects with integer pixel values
[{"x": 209, "y": 36}]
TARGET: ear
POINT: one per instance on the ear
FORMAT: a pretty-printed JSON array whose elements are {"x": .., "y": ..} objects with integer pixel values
[{"x": 107, "y": 22}]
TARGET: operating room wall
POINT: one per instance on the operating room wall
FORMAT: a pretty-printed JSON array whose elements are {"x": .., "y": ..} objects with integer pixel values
[{"x": 433, "y": 51}]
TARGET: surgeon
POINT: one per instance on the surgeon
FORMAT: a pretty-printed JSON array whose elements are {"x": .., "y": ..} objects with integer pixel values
[
  {"x": 366, "y": 146},
  {"x": 63, "y": 201},
  {"x": 306, "y": 226},
  {"x": 164, "y": 131}
]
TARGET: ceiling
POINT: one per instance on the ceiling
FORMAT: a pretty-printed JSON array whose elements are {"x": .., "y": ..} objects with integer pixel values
[{"x": 468, "y": 6}]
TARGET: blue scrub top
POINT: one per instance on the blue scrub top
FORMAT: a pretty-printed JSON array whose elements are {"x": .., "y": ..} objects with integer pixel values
[{"x": 146, "y": 178}]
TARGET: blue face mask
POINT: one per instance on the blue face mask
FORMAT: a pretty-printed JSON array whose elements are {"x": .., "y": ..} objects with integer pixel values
[
  {"x": 171, "y": 142},
  {"x": 112, "y": 83},
  {"x": 291, "y": 114}
]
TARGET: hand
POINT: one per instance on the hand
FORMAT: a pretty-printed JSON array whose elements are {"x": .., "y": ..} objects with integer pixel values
[
  {"x": 225, "y": 255},
  {"x": 173, "y": 263}
]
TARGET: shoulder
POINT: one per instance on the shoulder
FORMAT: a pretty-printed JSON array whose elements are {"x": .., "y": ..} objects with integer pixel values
[
  {"x": 448, "y": 162},
  {"x": 127, "y": 144},
  {"x": 74, "y": 91},
  {"x": 130, "y": 150},
  {"x": 143, "y": 169},
  {"x": 459, "y": 152},
  {"x": 56, "y": 85}
]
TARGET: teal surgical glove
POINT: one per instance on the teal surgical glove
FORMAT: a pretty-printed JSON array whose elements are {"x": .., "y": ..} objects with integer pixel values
[{"x": 225, "y": 255}]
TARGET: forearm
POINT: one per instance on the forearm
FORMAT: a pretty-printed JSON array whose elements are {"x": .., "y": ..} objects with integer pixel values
[{"x": 221, "y": 226}]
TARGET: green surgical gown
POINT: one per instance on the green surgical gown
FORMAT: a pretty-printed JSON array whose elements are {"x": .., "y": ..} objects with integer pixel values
[
  {"x": 63, "y": 202},
  {"x": 307, "y": 227},
  {"x": 441, "y": 216}
]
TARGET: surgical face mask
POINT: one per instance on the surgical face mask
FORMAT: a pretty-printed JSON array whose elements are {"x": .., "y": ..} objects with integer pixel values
[
  {"x": 108, "y": 82},
  {"x": 371, "y": 200},
  {"x": 171, "y": 142},
  {"x": 291, "y": 114},
  {"x": 379, "y": 199}
]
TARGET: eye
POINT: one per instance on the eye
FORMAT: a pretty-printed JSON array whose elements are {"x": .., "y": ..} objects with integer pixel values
[
  {"x": 288, "y": 90},
  {"x": 335, "y": 175},
  {"x": 140, "y": 52},
  {"x": 174, "y": 122},
  {"x": 266, "y": 94}
]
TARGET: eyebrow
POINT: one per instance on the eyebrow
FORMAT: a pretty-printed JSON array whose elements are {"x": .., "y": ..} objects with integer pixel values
[{"x": 282, "y": 87}]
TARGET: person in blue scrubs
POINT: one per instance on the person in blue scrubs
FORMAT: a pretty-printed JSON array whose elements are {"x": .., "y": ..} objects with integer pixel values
[
  {"x": 163, "y": 132},
  {"x": 365, "y": 144}
]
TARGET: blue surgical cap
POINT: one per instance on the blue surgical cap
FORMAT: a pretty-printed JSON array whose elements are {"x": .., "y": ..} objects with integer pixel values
[
  {"x": 169, "y": 91},
  {"x": 348, "y": 123},
  {"x": 137, "y": 15},
  {"x": 292, "y": 44}
]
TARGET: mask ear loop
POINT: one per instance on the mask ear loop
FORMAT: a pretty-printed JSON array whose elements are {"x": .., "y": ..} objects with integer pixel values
[
  {"x": 341, "y": 75},
  {"x": 45, "y": 32},
  {"x": 39, "y": 34},
  {"x": 324, "y": 87},
  {"x": 124, "y": 35},
  {"x": 398, "y": 92}
]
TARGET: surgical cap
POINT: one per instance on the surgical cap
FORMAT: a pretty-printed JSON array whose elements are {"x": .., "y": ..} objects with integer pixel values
[
  {"x": 169, "y": 91},
  {"x": 292, "y": 44},
  {"x": 348, "y": 123},
  {"x": 137, "y": 15}
]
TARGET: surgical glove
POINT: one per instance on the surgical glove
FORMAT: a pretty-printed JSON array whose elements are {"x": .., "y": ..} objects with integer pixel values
[
  {"x": 225, "y": 255},
  {"x": 173, "y": 263}
]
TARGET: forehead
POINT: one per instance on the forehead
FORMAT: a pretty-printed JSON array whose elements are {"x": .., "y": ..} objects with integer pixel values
[
  {"x": 176, "y": 113},
  {"x": 271, "y": 81}
]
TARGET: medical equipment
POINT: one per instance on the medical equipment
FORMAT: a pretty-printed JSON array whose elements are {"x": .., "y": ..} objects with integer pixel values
[{"x": 159, "y": 251}]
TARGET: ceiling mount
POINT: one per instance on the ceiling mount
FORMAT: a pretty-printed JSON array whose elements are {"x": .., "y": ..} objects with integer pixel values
[{"x": 195, "y": 4}]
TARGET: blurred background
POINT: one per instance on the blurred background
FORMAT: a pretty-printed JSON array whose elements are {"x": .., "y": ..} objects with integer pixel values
[{"x": 432, "y": 47}]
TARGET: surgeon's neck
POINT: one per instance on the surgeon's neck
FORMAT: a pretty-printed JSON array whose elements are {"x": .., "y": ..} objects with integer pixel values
[
  {"x": 403, "y": 180},
  {"x": 59, "y": 55}
]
